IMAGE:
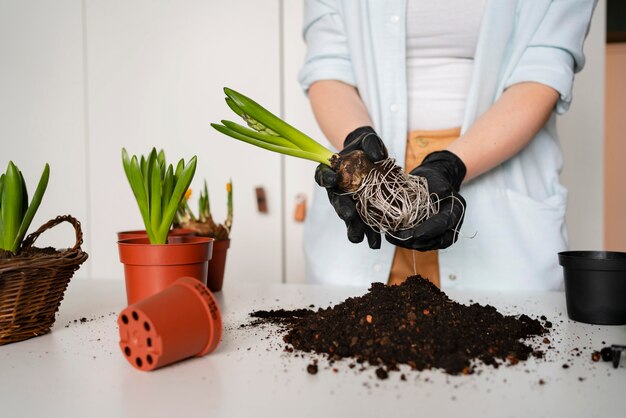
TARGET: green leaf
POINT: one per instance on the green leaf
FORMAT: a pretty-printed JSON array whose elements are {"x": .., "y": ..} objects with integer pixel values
[
  {"x": 179, "y": 169},
  {"x": 11, "y": 206},
  {"x": 150, "y": 165},
  {"x": 271, "y": 139},
  {"x": 204, "y": 205},
  {"x": 144, "y": 166},
  {"x": 234, "y": 107},
  {"x": 263, "y": 116},
  {"x": 155, "y": 195},
  {"x": 1, "y": 217},
  {"x": 182, "y": 184},
  {"x": 133, "y": 171},
  {"x": 24, "y": 195},
  {"x": 33, "y": 207},
  {"x": 207, "y": 199},
  {"x": 168, "y": 187},
  {"x": 228, "y": 223},
  {"x": 137, "y": 185},
  {"x": 126, "y": 163},
  {"x": 136, "y": 180},
  {"x": 161, "y": 157},
  {"x": 324, "y": 159}
]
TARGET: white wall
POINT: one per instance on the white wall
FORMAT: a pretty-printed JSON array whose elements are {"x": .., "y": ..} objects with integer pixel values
[
  {"x": 615, "y": 148},
  {"x": 155, "y": 78},
  {"x": 299, "y": 178},
  {"x": 81, "y": 79},
  {"x": 42, "y": 116},
  {"x": 581, "y": 131}
]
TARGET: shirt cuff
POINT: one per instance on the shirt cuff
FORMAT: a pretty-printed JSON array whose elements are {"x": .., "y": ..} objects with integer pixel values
[
  {"x": 551, "y": 66},
  {"x": 330, "y": 68}
]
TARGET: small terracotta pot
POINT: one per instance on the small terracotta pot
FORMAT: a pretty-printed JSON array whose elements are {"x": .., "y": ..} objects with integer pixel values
[
  {"x": 141, "y": 233},
  {"x": 181, "y": 321},
  {"x": 150, "y": 268},
  {"x": 215, "y": 278}
]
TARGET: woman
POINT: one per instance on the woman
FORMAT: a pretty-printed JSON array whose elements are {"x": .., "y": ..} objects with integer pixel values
[{"x": 469, "y": 89}]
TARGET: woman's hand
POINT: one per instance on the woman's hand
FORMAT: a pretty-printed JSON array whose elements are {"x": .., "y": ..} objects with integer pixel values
[
  {"x": 444, "y": 173},
  {"x": 365, "y": 139}
]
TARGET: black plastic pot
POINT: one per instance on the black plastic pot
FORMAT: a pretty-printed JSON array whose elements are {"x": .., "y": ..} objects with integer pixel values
[{"x": 595, "y": 286}]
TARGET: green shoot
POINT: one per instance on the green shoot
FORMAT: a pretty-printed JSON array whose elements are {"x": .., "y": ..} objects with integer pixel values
[
  {"x": 203, "y": 224},
  {"x": 158, "y": 190},
  {"x": 269, "y": 131},
  {"x": 204, "y": 204},
  {"x": 16, "y": 214},
  {"x": 229, "y": 202}
]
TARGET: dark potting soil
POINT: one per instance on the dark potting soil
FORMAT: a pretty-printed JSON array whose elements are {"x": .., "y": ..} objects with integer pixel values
[
  {"x": 415, "y": 324},
  {"x": 30, "y": 252}
]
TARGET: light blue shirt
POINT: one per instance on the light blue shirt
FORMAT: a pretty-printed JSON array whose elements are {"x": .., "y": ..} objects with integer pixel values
[{"x": 515, "y": 217}]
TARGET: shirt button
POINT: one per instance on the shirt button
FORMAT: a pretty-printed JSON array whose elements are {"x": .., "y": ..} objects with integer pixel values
[
  {"x": 376, "y": 268},
  {"x": 394, "y": 19},
  {"x": 394, "y": 108},
  {"x": 452, "y": 277}
]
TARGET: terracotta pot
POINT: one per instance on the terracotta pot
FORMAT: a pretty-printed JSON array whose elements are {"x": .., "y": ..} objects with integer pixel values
[
  {"x": 215, "y": 278},
  {"x": 141, "y": 233},
  {"x": 181, "y": 321},
  {"x": 150, "y": 268}
]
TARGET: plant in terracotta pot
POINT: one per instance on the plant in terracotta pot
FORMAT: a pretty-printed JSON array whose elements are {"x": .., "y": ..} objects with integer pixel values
[
  {"x": 32, "y": 280},
  {"x": 141, "y": 233},
  {"x": 152, "y": 263},
  {"x": 204, "y": 225}
]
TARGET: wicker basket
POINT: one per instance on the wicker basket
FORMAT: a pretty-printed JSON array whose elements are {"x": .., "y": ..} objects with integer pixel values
[{"x": 31, "y": 288}]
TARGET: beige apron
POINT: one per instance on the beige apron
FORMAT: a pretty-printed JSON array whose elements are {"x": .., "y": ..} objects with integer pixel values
[{"x": 407, "y": 262}]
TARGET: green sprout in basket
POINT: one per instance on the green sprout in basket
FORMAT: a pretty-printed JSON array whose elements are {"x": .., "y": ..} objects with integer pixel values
[
  {"x": 16, "y": 213},
  {"x": 158, "y": 189},
  {"x": 203, "y": 224}
]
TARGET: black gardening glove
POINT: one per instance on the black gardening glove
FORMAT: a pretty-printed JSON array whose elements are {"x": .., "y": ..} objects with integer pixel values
[
  {"x": 444, "y": 172},
  {"x": 365, "y": 139}
]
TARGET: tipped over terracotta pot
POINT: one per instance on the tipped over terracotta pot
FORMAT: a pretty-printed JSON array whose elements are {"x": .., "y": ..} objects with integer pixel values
[{"x": 182, "y": 321}]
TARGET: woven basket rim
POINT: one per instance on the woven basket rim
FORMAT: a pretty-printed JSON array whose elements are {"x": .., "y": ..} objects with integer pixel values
[
  {"x": 39, "y": 260},
  {"x": 74, "y": 255}
]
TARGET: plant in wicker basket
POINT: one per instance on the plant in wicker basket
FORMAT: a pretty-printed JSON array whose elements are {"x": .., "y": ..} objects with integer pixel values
[
  {"x": 15, "y": 212},
  {"x": 32, "y": 280}
]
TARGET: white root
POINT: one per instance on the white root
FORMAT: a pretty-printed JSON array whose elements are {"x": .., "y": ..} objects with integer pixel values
[{"x": 391, "y": 200}]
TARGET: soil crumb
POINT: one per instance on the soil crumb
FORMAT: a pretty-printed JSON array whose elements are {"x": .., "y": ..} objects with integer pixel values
[{"x": 312, "y": 368}]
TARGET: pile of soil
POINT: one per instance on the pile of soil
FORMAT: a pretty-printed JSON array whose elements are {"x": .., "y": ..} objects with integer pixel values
[{"x": 414, "y": 323}]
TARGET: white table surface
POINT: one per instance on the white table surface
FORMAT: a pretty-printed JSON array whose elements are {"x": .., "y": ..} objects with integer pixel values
[{"x": 78, "y": 369}]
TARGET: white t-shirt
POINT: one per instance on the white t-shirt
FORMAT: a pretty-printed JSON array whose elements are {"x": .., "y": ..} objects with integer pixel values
[{"x": 441, "y": 37}]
